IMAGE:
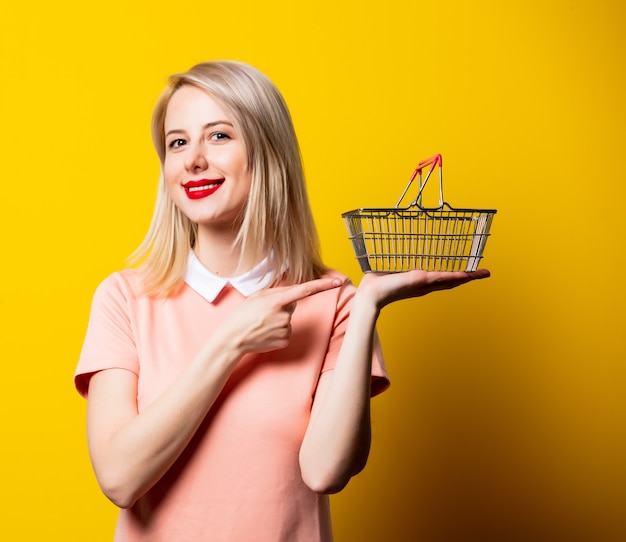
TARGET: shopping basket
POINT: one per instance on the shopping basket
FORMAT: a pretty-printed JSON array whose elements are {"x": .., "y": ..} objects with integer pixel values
[{"x": 442, "y": 238}]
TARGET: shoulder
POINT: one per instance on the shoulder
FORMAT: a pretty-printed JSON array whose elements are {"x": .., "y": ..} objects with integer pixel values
[
  {"x": 342, "y": 296},
  {"x": 119, "y": 291},
  {"x": 333, "y": 273},
  {"x": 127, "y": 282}
]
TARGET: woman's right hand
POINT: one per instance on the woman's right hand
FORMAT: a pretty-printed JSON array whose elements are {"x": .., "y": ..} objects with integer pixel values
[{"x": 262, "y": 323}]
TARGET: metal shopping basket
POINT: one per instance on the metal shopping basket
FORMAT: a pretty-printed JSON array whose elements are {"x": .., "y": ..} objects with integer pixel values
[{"x": 443, "y": 238}]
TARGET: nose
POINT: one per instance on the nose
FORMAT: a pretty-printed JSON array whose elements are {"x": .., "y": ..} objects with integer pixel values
[{"x": 196, "y": 159}]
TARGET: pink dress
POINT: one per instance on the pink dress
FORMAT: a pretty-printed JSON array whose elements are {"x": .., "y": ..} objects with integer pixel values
[{"x": 239, "y": 478}]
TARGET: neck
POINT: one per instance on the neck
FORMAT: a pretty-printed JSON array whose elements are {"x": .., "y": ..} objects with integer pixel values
[{"x": 216, "y": 252}]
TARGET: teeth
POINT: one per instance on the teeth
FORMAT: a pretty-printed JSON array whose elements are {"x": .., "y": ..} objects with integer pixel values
[{"x": 205, "y": 187}]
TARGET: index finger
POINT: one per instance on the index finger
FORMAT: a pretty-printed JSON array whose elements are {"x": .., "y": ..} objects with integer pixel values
[{"x": 294, "y": 293}]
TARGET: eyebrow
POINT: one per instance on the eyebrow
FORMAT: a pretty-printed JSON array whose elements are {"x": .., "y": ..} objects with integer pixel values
[{"x": 205, "y": 127}]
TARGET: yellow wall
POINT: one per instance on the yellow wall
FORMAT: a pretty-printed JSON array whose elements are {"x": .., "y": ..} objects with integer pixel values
[{"x": 505, "y": 420}]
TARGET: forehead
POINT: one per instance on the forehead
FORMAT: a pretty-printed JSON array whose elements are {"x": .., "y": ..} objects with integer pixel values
[{"x": 190, "y": 105}]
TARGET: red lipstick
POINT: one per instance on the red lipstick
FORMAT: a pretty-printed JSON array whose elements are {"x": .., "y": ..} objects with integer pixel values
[{"x": 202, "y": 188}]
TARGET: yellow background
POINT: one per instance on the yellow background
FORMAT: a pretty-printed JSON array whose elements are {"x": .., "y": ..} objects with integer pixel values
[{"x": 505, "y": 420}]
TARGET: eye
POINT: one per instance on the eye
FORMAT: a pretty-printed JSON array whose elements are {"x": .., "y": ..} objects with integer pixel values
[
  {"x": 176, "y": 143},
  {"x": 220, "y": 136}
]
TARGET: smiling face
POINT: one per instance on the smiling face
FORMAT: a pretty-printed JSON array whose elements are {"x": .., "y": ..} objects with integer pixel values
[{"x": 205, "y": 159}]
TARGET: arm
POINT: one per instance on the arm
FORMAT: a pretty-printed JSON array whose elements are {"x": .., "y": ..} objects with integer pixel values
[
  {"x": 337, "y": 440},
  {"x": 336, "y": 444},
  {"x": 131, "y": 451}
]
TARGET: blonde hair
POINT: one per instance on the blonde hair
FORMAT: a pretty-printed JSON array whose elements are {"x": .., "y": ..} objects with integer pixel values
[{"x": 277, "y": 218}]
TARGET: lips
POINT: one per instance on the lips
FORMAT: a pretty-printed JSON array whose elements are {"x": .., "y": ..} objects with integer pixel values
[{"x": 202, "y": 188}]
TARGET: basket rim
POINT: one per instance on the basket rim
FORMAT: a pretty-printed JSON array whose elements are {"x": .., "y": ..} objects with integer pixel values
[{"x": 418, "y": 208}]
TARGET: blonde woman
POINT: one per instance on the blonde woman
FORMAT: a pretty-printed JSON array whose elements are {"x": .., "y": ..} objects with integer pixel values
[{"x": 229, "y": 372}]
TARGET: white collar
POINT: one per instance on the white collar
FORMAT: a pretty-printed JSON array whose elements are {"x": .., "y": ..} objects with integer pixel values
[{"x": 209, "y": 285}]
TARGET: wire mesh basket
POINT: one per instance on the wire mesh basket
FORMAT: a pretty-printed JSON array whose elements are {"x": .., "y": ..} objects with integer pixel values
[{"x": 442, "y": 238}]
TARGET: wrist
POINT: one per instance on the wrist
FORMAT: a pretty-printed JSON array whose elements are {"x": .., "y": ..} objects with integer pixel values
[
  {"x": 365, "y": 303},
  {"x": 223, "y": 350}
]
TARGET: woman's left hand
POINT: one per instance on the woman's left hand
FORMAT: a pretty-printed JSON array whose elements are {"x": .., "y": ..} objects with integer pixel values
[{"x": 389, "y": 287}]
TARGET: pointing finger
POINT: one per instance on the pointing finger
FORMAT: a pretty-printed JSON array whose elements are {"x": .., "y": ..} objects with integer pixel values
[{"x": 291, "y": 294}]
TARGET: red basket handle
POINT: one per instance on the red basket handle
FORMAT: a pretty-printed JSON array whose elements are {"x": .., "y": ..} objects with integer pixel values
[{"x": 433, "y": 162}]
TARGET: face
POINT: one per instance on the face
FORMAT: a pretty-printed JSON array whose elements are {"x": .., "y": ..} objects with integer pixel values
[{"x": 205, "y": 161}]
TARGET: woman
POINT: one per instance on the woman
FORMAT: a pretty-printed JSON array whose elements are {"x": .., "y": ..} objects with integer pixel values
[{"x": 229, "y": 375}]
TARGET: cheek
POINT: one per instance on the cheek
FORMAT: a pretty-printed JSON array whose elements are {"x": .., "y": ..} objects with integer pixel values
[
  {"x": 243, "y": 169},
  {"x": 169, "y": 171}
]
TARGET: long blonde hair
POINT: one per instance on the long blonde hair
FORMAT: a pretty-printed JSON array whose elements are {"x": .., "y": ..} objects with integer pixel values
[{"x": 277, "y": 218}]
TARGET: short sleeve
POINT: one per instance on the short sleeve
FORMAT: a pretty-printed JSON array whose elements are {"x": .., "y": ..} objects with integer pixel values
[
  {"x": 109, "y": 341},
  {"x": 380, "y": 378}
]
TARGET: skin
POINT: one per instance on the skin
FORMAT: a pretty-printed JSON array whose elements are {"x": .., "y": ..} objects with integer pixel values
[
  {"x": 131, "y": 451},
  {"x": 201, "y": 143}
]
